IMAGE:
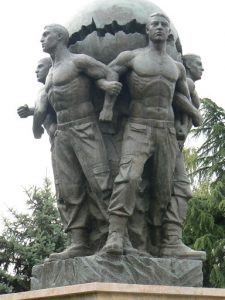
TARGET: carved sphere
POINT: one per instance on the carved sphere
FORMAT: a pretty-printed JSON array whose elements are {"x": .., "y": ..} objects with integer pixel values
[{"x": 105, "y": 28}]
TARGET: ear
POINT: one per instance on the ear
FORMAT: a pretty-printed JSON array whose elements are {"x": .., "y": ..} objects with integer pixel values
[
  {"x": 188, "y": 64},
  {"x": 59, "y": 36}
]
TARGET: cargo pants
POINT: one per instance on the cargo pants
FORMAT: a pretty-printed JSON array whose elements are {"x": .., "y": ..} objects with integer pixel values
[
  {"x": 143, "y": 140},
  {"x": 181, "y": 193},
  {"x": 82, "y": 165}
]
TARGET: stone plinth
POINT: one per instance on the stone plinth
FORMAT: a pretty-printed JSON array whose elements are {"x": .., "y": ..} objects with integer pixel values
[
  {"x": 118, "y": 269},
  {"x": 115, "y": 291}
]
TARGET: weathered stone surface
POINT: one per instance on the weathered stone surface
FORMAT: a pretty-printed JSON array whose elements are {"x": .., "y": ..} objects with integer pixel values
[
  {"x": 117, "y": 269},
  {"x": 116, "y": 291}
]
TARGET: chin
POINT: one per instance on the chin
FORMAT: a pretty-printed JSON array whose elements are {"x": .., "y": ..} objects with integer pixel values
[{"x": 45, "y": 50}]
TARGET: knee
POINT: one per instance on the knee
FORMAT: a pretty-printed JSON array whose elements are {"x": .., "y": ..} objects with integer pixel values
[
  {"x": 70, "y": 194},
  {"x": 103, "y": 178}
]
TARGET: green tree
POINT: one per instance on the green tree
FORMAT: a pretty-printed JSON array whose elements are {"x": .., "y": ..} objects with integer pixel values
[
  {"x": 211, "y": 154},
  {"x": 205, "y": 223},
  {"x": 28, "y": 238}
]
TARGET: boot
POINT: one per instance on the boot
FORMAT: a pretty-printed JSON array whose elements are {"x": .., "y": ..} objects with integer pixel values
[
  {"x": 78, "y": 247},
  {"x": 128, "y": 249},
  {"x": 115, "y": 240},
  {"x": 172, "y": 245}
]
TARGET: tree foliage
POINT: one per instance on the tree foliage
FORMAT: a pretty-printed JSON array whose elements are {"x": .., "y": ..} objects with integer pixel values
[
  {"x": 211, "y": 154},
  {"x": 28, "y": 238},
  {"x": 205, "y": 224}
]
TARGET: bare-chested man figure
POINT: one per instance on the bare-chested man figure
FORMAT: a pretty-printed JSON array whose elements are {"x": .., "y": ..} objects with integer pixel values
[
  {"x": 153, "y": 78},
  {"x": 25, "y": 111},
  {"x": 49, "y": 122},
  {"x": 81, "y": 156},
  {"x": 172, "y": 245}
]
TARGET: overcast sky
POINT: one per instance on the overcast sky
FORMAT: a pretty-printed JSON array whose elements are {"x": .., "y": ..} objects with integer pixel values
[{"x": 25, "y": 161}]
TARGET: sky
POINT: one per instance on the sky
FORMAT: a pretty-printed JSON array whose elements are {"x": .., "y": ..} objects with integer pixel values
[{"x": 25, "y": 161}]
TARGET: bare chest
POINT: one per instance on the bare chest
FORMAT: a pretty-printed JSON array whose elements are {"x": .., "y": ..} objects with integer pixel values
[
  {"x": 146, "y": 66},
  {"x": 61, "y": 75}
]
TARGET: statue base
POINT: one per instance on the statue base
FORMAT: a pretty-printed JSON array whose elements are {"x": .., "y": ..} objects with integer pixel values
[{"x": 118, "y": 269}]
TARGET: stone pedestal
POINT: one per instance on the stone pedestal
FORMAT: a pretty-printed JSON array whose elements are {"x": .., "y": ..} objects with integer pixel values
[
  {"x": 115, "y": 291},
  {"x": 118, "y": 269}
]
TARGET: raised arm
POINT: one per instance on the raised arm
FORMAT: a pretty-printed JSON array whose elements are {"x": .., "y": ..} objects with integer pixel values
[
  {"x": 94, "y": 69},
  {"x": 25, "y": 111},
  {"x": 119, "y": 65}
]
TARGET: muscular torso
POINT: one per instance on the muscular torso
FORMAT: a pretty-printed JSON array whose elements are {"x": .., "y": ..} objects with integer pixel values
[
  {"x": 152, "y": 83},
  {"x": 69, "y": 91}
]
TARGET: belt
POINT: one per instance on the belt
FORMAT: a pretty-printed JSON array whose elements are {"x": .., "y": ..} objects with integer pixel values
[
  {"x": 152, "y": 122},
  {"x": 62, "y": 126}
]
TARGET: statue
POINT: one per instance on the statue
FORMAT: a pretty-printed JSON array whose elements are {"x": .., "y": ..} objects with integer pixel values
[
  {"x": 172, "y": 245},
  {"x": 49, "y": 122},
  {"x": 116, "y": 146},
  {"x": 153, "y": 79},
  {"x": 24, "y": 111},
  {"x": 145, "y": 114},
  {"x": 82, "y": 165}
]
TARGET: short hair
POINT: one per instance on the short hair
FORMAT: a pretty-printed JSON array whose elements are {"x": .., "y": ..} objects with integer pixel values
[
  {"x": 158, "y": 14},
  {"x": 61, "y": 30},
  {"x": 187, "y": 58},
  {"x": 46, "y": 61}
]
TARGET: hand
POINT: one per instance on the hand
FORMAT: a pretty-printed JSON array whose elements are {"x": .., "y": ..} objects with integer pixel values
[
  {"x": 113, "y": 88},
  {"x": 106, "y": 115},
  {"x": 197, "y": 119},
  {"x": 181, "y": 132},
  {"x": 38, "y": 131},
  {"x": 24, "y": 111}
]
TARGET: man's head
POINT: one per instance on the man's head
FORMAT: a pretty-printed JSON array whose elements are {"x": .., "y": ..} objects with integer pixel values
[
  {"x": 193, "y": 66},
  {"x": 158, "y": 27},
  {"x": 42, "y": 69},
  {"x": 53, "y": 35}
]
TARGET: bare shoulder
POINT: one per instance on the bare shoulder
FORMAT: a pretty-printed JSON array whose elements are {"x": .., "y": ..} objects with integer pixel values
[
  {"x": 124, "y": 57},
  {"x": 181, "y": 68},
  {"x": 41, "y": 93},
  {"x": 129, "y": 53},
  {"x": 42, "y": 96}
]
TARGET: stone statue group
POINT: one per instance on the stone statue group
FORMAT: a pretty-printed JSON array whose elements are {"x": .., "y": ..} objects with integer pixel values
[{"x": 138, "y": 205}]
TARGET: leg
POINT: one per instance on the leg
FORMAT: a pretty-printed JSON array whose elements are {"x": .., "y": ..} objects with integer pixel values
[
  {"x": 163, "y": 166},
  {"x": 172, "y": 244},
  {"x": 161, "y": 175},
  {"x": 126, "y": 191},
  {"x": 71, "y": 198},
  {"x": 91, "y": 153}
]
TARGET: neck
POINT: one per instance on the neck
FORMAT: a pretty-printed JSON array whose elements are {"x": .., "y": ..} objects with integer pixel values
[
  {"x": 59, "y": 53},
  {"x": 188, "y": 74},
  {"x": 159, "y": 46}
]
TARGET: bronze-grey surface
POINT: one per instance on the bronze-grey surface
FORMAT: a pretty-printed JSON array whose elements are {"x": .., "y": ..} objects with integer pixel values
[
  {"x": 132, "y": 137},
  {"x": 120, "y": 269}
]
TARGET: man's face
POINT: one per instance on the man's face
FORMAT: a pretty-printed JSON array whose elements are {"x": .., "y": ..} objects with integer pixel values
[
  {"x": 42, "y": 71},
  {"x": 49, "y": 40},
  {"x": 158, "y": 29},
  {"x": 195, "y": 68}
]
